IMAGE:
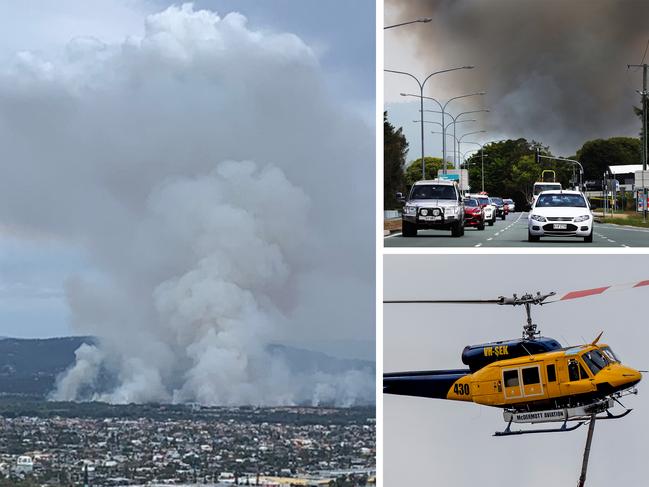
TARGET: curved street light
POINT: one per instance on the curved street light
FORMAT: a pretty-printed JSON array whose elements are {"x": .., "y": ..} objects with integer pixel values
[
  {"x": 482, "y": 155},
  {"x": 421, "y": 91},
  {"x": 455, "y": 162},
  {"x": 423, "y": 20},
  {"x": 443, "y": 109}
]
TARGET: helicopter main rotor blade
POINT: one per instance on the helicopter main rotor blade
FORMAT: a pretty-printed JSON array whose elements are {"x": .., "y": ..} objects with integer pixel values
[
  {"x": 443, "y": 301},
  {"x": 598, "y": 290}
]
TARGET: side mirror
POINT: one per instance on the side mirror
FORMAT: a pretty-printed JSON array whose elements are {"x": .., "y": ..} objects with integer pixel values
[{"x": 401, "y": 198}]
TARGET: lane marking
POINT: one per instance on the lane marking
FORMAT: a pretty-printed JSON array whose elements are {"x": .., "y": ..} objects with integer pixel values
[
  {"x": 490, "y": 238},
  {"x": 392, "y": 235},
  {"x": 478, "y": 245}
]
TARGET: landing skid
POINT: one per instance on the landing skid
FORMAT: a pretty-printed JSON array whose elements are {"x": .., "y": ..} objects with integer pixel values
[
  {"x": 564, "y": 428},
  {"x": 582, "y": 415}
]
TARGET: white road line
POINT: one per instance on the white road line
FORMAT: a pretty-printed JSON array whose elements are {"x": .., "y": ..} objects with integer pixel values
[
  {"x": 392, "y": 235},
  {"x": 490, "y": 238},
  {"x": 478, "y": 245},
  {"x": 612, "y": 241}
]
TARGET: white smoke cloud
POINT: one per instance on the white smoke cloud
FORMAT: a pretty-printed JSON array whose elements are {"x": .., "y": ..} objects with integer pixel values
[{"x": 220, "y": 193}]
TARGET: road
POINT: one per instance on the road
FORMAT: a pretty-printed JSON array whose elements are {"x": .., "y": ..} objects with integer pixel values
[{"x": 512, "y": 232}]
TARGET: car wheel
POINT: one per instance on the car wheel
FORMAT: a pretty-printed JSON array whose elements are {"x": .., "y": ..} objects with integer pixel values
[
  {"x": 408, "y": 229},
  {"x": 491, "y": 223},
  {"x": 532, "y": 238},
  {"x": 457, "y": 230},
  {"x": 481, "y": 226},
  {"x": 503, "y": 217},
  {"x": 589, "y": 238}
]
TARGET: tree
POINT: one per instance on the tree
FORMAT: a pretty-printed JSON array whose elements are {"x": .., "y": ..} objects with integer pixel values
[
  {"x": 596, "y": 155},
  {"x": 525, "y": 172},
  {"x": 395, "y": 147},
  {"x": 511, "y": 168},
  {"x": 413, "y": 171}
]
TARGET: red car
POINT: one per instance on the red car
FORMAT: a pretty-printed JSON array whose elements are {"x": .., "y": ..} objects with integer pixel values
[{"x": 473, "y": 214}]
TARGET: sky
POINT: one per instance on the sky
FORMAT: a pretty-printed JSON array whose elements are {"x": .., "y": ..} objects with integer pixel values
[
  {"x": 554, "y": 71},
  {"x": 174, "y": 190},
  {"x": 451, "y": 441}
]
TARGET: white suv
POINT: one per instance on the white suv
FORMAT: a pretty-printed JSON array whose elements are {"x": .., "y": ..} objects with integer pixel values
[
  {"x": 433, "y": 204},
  {"x": 560, "y": 214}
]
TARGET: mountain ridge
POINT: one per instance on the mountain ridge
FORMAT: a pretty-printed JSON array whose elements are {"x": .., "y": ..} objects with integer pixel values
[{"x": 29, "y": 366}]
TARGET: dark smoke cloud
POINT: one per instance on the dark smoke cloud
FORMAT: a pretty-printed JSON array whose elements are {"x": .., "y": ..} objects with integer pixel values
[{"x": 554, "y": 70}]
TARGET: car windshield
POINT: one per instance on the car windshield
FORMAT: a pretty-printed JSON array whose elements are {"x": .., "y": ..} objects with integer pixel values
[
  {"x": 608, "y": 353},
  {"x": 498, "y": 201},
  {"x": 432, "y": 192},
  {"x": 483, "y": 201},
  {"x": 508, "y": 201},
  {"x": 470, "y": 202},
  {"x": 595, "y": 361},
  {"x": 538, "y": 188},
  {"x": 560, "y": 199}
]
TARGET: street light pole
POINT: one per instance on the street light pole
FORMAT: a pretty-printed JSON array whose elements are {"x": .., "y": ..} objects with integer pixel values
[
  {"x": 443, "y": 110},
  {"x": 455, "y": 161},
  {"x": 482, "y": 161},
  {"x": 421, "y": 95},
  {"x": 459, "y": 141}
]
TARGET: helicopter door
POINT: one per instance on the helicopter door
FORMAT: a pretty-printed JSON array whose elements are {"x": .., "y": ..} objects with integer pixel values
[
  {"x": 532, "y": 385},
  {"x": 552, "y": 371},
  {"x": 512, "y": 383},
  {"x": 577, "y": 378}
]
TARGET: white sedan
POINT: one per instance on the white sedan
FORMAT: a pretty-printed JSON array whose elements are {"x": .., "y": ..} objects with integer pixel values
[{"x": 560, "y": 214}]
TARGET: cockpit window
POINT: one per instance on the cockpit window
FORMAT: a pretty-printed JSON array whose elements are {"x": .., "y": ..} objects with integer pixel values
[
  {"x": 576, "y": 371},
  {"x": 595, "y": 361},
  {"x": 608, "y": 353}
]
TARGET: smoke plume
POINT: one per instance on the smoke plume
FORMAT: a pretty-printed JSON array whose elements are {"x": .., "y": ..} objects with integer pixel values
[
  {"x": 216, "y": 189},
  {"x": 554, "y": 70}
]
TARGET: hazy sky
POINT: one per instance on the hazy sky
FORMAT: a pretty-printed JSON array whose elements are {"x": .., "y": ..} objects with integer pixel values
[
  {"x": 451, "y": 442},
  {"x": 554, "y": 71},
  {"x": 35, "y": 261}
]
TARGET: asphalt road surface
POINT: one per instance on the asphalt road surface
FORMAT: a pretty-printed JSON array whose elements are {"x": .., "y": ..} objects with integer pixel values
[{"x": 512, "y": 232}]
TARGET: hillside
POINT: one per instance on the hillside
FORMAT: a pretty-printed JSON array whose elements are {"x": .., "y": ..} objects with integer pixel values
[{"x": 29, "y": 367}]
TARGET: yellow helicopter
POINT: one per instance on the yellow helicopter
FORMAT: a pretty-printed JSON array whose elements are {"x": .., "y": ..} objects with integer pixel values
[{"x": 533, "y": 379}]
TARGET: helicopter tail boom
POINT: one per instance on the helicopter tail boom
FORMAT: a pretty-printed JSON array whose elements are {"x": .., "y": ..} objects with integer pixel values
[{"x": 436, "y": 384}]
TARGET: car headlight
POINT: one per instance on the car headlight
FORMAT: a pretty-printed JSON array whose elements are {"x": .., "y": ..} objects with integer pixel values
[
  {"x": 582, "y": 218},
  {"x": 424, "y": 212},
  {"x": 538, "y": 218},
  {"x": 437, "y": 212},
  {"x": 410, "y": 210}
]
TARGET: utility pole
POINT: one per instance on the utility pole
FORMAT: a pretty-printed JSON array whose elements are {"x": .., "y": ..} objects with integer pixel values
[{"x": 643, "y": 94}]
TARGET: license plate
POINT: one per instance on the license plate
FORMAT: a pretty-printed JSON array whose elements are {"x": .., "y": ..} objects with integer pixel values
[
  {"x": 560, "y": 226},
  {"x": 430, "y": 218}
]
